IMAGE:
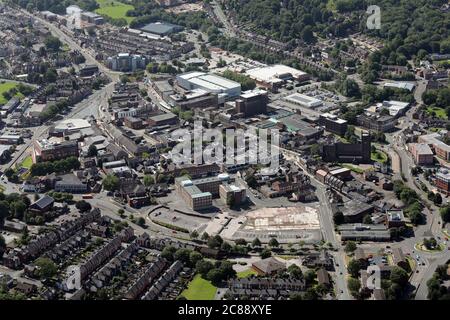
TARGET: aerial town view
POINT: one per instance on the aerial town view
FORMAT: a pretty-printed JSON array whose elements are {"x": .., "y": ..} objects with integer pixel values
[{"x": 228, "y": 150}]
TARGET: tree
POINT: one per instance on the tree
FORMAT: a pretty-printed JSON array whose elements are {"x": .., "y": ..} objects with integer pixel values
[
  {"x": 438, "y": 199},
  {"x": 148, "y": 180},
  {"x": 141, "y": 222},
  {"x": 203, "y": 267},
  {"x": 445, "y": 213},
  {"x": 194, "y": 234},
  {"x": 399, "y": 276},
  {"x": 256, "y": 243},
  {"x": 273, "y": 243},
  {"x": 183, "y": 255},
  {"x": 52, "y": 43},
  {"x": 92, "y": 151},
  {"x": 226, "y": 247},
  {"x": 266, "y": 253},
  {"x": 83, "y": 206},
  {"x": 2, "y": 244},
  {"x": 310, "y": 277},
  {"x": 195, "y": 257},
  {"x": 205, "y": 236},
  {"x": 353, "y": 268},
  {"x": 168, "y": 253},
  {"x": 367, "y": 219},
  {"x": 215, "y": 242},
  {"x": 47, "y": 269},
  {"x": 354, "y": 286},
  {"x": 111, "y": 182},
  {"x": 350, "y": 246},
  {"x": 430, "y": 244},
  {"x": 295, "y": 271}
]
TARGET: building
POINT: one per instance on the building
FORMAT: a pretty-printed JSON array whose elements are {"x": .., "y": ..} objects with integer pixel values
[
  {"x": 70, "y": 126},
  {"x": 126, "y": 62},
  {"x": 422, "y": 153},
  {"x": 304, "y": 101},
  {"x": 10, "y": 106},
  {"x": 333, "y": 124},
  {"x": 268, "y": 266},
  {"x": 252, "y": 102},
  {"x": 396, "y": 108},
  {"x": 161, "y": 28},
  {"x": 197, "y": 98},
  {"x": 399, "y": 259},
  {"x": 224, "y": 88},
  {"x": 91, "y": 17},
  {"x": 441, "y": 149},
  {"x": 45, "y": 150},
  {"x": 88, "y": 70},
  {"x": 232, "y": 195},
  {"x": 273, "y": 77},
  {"x": 295, "y": 123},
  {"x": 348, "y": 152},
  {"x": 364, "y": 232},
  {"x": 354, "y": 210},
  {"x": 133, "y": 123},
  {"x": 395, "y": 218},
  {"x": 70, "y": 10},
  {"x": 43, "y": 204},
  {"x": 70, "y": 183},
  {"x": 10, "y": 139},
  {"x": 198, "y": 194},
  {"x": 400, "y": 85},
  {"x": 163, "y": 119},
  {"x": 323, "y": 277},
  {"x": 442, "y": 181},
  {"x": 377, "y": 123}
]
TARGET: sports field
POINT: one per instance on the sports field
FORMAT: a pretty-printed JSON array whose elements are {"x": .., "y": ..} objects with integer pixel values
[
  {"x": 199, "y": 289},
  {"x": 114, "y": 9}
]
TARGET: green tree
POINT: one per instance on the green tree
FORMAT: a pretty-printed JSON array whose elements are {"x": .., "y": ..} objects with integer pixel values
[
  {"x": 92, "y": 151},
  {"x": 148, "y": 180},
  {"x": 203, "y": 267},
  {"x": 194, "y": 234},
  {"x": 350, "y": 246},
  {"x": 273, "y": 243},
  {"x": 266, "y": 253},
  {"x": 111, "y": 182},
  {"x": 353, "y": 268},
  {"x": 399, "y": 276},
  {"x": 141, "y": 222},
  {"x": 256, "y": 243},
  {"x": 445, "y": 213},
  {"x": 353, "y": 286},
  {"x": 47, "y": 269}
]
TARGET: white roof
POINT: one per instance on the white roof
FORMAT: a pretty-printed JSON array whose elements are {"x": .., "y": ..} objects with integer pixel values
[
  {"x": 400, "y": 85},
  {"x": 272, "y": 73},
  {"x": 303, "y": 99}
]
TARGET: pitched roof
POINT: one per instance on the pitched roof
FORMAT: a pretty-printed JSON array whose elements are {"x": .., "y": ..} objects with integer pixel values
[
  {"x": 43, "y": 202},
  {"x": 269, "y": 265}
]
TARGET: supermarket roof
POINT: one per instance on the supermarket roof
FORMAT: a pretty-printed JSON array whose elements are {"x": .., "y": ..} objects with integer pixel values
[{"x": 274, "y": 73}]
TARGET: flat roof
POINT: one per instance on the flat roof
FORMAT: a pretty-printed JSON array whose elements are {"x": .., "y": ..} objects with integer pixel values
[
  {"x": 72, "y": 124},
  {"x": 272, "y": 73},
  {"x": 161, "y": 28},
  {"x": 303, "y": 99}
]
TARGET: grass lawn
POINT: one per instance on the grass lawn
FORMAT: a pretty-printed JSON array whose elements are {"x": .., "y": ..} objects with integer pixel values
[
  {"x": 114, "y": 9},
  {"x": 353, "y": 168},
  {"x": 379, "y": 156},
  {"x": 247, "y": 273},
  {"x": 27, "y": 162},
  {"x": 6, "y": 86},
  {"x": 199, "y": 289},
  {"x": 439, "y": 112}
]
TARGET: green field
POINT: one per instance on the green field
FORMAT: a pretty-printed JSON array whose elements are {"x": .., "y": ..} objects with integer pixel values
[
  {"x": 114, "y": 9},
  {"x": 439, "y": 112},
  {"x": 199, "y": 289},
  {"x": 6, "y": 86},
  {"x": 379, "y": 156},
  {"x": 246, "y": 273},
  {"x": 27, "y": 162}
]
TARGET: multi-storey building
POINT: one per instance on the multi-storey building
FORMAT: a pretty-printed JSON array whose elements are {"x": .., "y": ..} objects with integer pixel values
[{"x": 44, "y": 150}]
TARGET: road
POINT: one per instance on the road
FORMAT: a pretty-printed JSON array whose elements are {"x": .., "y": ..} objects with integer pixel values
[{"x": 327, "y": 228}]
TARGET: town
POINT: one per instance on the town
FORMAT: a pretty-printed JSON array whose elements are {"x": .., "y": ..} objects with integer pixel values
[{"x": 351, "y": 202}]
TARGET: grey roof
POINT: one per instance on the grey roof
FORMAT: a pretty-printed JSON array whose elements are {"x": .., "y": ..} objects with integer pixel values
[
  {"x": 44, "y": 201},
  {"x": 161, "y": 28}
]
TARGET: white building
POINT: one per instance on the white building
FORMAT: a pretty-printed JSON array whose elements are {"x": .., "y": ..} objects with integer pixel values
[
  {"x": 275, "y": 75},
  {"x": 304, "y": 100},
  {"x": 73, "y": 9},
  {"x": 224, "y": 88}
]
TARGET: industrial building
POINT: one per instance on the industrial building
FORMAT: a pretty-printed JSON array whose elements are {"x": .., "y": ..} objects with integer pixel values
[
  {"x": 304, "y": 101},
  {"x": 273, "y": 77},
  {"x": 224, "y": 88},
  {"x": 197, "y": 98}
]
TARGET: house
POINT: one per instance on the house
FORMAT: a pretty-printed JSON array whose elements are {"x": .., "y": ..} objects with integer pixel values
[
  {"x": 42, "y": 205},
  {"x": 70, "y": 183},
  {"x": 25, "y": 288},
  {"x": 322, "y": 259},
  {"x": 268, "y": 266}
]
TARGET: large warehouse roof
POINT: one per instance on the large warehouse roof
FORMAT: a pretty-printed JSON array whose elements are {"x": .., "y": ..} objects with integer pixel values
[{"x": 274, "y": 73}]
